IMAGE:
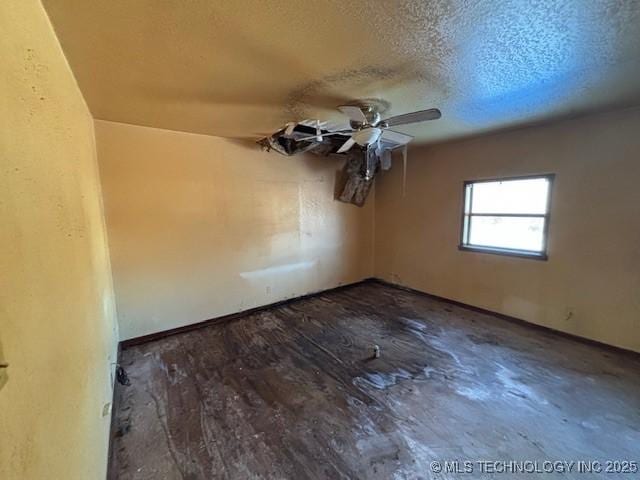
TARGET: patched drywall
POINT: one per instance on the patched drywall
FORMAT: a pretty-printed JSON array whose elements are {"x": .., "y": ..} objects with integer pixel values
[
  {"x": 200, "y": 226},
  {"x": 590, "y": 286},
  {"x": 57, "y": 313},
  {"x": 242, "y": 68}
]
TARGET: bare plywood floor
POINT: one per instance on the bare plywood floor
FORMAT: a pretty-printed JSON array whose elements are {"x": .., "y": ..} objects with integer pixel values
[{"x": 290, "y": 393}]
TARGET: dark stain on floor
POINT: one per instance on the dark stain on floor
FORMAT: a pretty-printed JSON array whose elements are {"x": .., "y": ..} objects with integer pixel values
[{"x": 292, "y": 392}]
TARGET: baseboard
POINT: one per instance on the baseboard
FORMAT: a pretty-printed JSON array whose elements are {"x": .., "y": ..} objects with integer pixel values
[
  {"x": 509, "y": 318},
  {"x": 232, "y": 316}
]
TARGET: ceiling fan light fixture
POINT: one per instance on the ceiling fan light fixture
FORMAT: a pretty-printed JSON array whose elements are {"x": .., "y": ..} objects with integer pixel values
[{"x": 367, "y": 136}]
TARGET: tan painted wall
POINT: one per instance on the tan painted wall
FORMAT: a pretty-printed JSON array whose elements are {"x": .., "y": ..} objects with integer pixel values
[
  {"x": 57, "y": 316},
  {"x": 594, "y": 245},
  {"x": 200, "y": 226}
]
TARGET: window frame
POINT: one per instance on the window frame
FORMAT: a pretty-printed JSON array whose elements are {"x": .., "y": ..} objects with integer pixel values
[{"x": 512, "y": 252}]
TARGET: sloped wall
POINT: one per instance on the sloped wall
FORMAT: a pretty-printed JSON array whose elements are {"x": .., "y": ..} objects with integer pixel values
[
  {"x": 590, "y": 286},
  {"x": 57, "y": 313}
]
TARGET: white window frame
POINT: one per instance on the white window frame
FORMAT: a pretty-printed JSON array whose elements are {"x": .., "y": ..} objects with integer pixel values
[{"x": 467, "y": 214}]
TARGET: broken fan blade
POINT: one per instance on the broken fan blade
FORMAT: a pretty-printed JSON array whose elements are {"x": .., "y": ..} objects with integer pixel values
[
  {"x": 396, "y": 137},
  {"x": 346, "y": 146},
  {"x": 354, "y": 113},
  {"x": 289, "y": 128},
  {"x": 413, "y": 117}
]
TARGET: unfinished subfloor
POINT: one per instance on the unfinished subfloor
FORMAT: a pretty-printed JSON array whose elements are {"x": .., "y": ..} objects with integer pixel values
[{"x": 291, "y": 392}]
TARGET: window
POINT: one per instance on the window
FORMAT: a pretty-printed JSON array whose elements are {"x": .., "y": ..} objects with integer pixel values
[{"x": 508, "y": 216}]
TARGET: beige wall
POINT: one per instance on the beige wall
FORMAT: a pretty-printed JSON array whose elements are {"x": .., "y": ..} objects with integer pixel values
[
  {"x": 200, "y": 226},
  {"x": 57, "y": 315},
  {"x": 593, "y": 269}
]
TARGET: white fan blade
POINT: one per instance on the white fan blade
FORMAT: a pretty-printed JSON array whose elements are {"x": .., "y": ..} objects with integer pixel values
[
  {"x": 346, "y": 145},
  {"x": 396, "y": 137},
  {"x": 413, "y": 117},
  {"x": 329, "y": 126},
  {"x": 354, "y": 113},
  {"x": 335, "y": 127},
  {"x": 312, "y": 137}
]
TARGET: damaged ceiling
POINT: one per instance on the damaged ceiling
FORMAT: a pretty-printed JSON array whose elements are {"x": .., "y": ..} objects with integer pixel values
[{"x": 244, "y": 68}]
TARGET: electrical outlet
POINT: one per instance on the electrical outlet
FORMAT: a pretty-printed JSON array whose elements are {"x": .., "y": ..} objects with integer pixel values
[{"x": 106, "y": 409}]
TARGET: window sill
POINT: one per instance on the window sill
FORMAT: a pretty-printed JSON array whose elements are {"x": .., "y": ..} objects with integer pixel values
[{"x": 504, "y": 251}]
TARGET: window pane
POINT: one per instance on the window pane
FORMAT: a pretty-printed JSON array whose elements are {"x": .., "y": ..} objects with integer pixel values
[
  {"x": 511, "y": 196},
  {"x": 521, "y": 233}
]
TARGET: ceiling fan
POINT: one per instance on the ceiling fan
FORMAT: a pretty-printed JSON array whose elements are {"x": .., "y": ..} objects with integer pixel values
[
  {"x": 367, "y": 128},
  {"x": 372, "y": 135}
]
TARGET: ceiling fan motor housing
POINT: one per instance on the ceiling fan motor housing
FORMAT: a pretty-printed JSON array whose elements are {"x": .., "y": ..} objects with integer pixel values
[{"x": 371, "y": 115}]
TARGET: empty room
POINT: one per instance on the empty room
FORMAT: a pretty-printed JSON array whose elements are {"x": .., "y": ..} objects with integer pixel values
[{"x": 267, "y": 239}]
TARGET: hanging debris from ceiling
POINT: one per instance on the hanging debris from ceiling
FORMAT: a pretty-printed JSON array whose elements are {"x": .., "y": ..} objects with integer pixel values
[
  {"x": 351, "y": 185},
  {"x": 368, "y": 143},
  {"x": 362, "y": 163}
]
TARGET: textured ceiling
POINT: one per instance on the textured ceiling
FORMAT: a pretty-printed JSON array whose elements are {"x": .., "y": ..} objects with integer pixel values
[{"x": 242, "y": 68}]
